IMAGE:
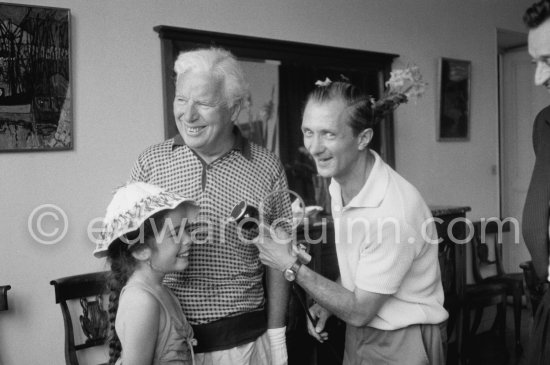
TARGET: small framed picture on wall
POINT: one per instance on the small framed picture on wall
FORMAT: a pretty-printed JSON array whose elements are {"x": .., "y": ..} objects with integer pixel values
[{"x": 453, "y": 123}]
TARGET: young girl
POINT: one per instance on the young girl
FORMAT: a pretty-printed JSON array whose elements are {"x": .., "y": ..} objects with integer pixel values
[{"x": 144, "y": 237}]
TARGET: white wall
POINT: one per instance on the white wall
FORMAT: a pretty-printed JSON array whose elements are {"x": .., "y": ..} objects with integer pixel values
[{"x": 118, "y": 111}]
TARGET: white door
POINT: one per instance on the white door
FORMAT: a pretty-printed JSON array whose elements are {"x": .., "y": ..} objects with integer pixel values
[{"x": 521, "y": 100}]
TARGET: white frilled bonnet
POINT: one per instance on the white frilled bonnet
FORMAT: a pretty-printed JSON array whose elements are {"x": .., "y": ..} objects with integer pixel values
[{"x": 131, "y": 205}]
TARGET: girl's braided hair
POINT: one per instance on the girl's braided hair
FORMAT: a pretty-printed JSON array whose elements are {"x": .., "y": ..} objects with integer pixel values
[{"x": 123, "y": 265}]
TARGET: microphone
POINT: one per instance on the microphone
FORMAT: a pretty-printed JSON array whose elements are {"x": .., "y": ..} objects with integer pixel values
[
  {"x": 243, "y": 211},
  {"x": 248, "y": 216}
]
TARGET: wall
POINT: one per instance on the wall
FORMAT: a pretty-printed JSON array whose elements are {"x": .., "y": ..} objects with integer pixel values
[{"x": 118, "y": 111}]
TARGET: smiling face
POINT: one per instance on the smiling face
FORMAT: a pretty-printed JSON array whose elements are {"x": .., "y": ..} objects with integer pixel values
[
  {"x": 173, "y": 242},
  {"x": 539, "y": 49},
  {"x": 203, "y": 116},
  {"x": 329, "y": 139}
]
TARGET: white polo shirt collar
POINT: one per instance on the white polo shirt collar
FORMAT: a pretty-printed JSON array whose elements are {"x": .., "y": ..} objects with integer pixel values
[{"x": 373, "y": 192}]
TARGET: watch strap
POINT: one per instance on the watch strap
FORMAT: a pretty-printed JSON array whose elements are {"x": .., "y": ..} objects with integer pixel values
[
  {"x": 292, "y": 271},
  {"x": 296, "y": 266}
]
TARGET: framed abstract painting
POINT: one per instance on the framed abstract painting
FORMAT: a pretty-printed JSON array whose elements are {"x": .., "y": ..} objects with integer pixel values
[{"x": 35, "y": 79}]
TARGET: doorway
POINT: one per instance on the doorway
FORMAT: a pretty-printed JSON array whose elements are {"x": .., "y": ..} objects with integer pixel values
[{"x": 519, "y": 102}]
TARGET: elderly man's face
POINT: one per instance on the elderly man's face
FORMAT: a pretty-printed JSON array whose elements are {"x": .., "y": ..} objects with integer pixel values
[
  {"x": 329, "y": 139},
  {"x": 539, "y": 49},
  {"x": 203, "y": 117}
]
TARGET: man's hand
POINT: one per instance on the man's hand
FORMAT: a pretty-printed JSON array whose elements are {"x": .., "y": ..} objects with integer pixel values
[
  {"x": 321, "y": 315},
  {"x": 275, "y": 248}
]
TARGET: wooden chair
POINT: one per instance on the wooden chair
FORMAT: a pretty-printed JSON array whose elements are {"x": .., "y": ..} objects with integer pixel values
[
  {"x": 464, "y": 298},
  {"x": 94, "y": 320},
  {"x": 477, "y": 297},
  {"x": 481, "y": 262},
  {"x": 452, "y": 263},
  {"x": 4, "y": 297},
  {"x": 452, "y": 286},
  {"x": 534, "y": 287}
]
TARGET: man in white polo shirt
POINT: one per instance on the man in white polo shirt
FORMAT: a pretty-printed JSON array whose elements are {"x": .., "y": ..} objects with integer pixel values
[{"x": 389, "y": 292}]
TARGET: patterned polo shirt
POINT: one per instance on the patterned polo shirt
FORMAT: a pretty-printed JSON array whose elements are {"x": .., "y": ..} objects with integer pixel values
[{"x": 224, "y": 277}]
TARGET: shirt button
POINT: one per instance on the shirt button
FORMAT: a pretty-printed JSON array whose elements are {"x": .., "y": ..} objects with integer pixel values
[{"x": 337, "y": 208}]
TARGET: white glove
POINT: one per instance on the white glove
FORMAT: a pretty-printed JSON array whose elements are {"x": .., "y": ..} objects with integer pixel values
[{"x": 277, "y": 342}]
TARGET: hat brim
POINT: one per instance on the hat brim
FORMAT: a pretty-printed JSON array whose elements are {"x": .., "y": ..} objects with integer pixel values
[{"x": 133, "y": 225}]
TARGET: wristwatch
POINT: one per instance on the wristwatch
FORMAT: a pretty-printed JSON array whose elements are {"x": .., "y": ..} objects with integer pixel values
[{"x": 290, "y": 273}]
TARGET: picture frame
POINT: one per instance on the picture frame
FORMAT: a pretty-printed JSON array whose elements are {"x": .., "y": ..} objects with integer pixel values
[
  {"x": 453, "y": 122},
  {"x": 258, "y": 120},
  {"x": 299, "y": 65},
  {"x": 281, "y": 74},
  {"x": 35, "y": 79}
]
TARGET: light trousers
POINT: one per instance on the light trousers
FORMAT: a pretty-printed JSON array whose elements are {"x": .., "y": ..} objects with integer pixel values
[{"x": 253, "y": 353}]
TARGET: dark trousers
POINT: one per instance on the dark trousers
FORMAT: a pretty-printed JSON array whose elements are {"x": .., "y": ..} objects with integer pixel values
[{"x": 538, "y": 352}]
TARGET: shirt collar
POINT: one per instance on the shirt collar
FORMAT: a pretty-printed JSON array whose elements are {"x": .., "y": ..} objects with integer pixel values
[
  {"x": 373, "y": 191},
  {"x": 241, "y": 143}
]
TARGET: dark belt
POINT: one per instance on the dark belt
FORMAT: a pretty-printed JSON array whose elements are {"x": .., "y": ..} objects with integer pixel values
[{"x": 230, "y": 332}]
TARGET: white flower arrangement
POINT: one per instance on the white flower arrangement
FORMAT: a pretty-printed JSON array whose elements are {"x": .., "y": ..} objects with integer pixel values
[
  {"x": 404, "y": 85},
  {"x": 320, "y": 83}
]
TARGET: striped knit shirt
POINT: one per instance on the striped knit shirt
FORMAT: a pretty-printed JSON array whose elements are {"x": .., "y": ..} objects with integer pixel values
[{"x": 224, "y": 277}]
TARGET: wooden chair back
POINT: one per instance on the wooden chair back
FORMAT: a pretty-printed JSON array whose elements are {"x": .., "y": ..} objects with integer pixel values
[
  {"x": 481, "y": 261},
  {"x": 4, "y": 297},
  {"x": 87, "y": 290},
  {"x": 534, "y": 287}
]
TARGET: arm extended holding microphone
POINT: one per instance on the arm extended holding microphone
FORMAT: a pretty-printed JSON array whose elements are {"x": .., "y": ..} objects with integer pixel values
[
  {"x": 248, "y": 217},
  {"x": 356, "y": 308}
]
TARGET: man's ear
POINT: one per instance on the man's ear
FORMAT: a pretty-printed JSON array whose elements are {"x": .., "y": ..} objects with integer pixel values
[
  {"x": 142, "y": 254},
  {"x": 364, "y": 139}
]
